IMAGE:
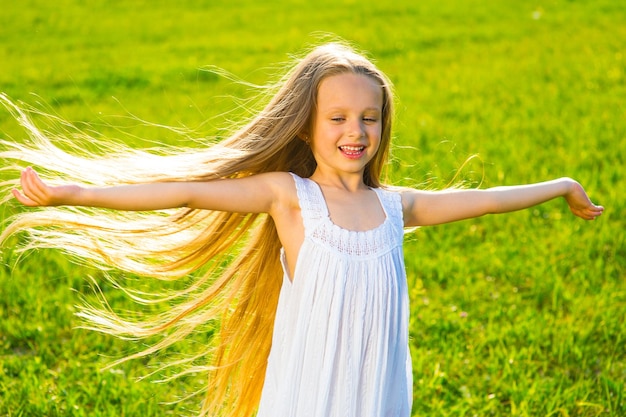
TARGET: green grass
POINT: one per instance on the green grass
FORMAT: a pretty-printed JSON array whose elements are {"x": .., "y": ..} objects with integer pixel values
[{"x": 513, "y": 315}]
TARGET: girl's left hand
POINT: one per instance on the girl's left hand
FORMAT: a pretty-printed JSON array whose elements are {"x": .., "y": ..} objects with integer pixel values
[{"x": 580, "y": 204}]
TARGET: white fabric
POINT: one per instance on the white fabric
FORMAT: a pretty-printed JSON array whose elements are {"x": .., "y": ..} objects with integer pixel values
[{"x": 340, "y": 342}]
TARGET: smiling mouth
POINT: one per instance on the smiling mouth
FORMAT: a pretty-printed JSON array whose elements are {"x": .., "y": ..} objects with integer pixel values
[{"x": 352, "y": 150}]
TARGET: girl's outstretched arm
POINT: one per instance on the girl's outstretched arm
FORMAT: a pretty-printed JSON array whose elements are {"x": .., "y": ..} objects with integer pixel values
[
  {"x": 422, "y": 208},
  {"x": 254, "y": 194}
]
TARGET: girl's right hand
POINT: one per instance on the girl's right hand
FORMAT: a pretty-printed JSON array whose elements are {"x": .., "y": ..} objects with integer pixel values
[
  {"x": 254, "y": 194},
  {"x": 37, "y": 193}
]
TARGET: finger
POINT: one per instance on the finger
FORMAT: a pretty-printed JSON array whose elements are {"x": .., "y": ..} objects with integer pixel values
[
  {"x": 27, "y": 187},
  {"x": 34, "y": 187},
  {"x": 595, "y": 212},
  {"x": 26, "y": 184},
  {"x": 588, "y": 213},
  {"x": 23, "y": 199},
  {"x": 586, "y": 216}
]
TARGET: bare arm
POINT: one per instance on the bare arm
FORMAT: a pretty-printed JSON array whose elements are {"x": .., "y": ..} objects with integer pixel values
[
  {"x": 423, "y": 208},
  {"x": 254, "y": 194}
]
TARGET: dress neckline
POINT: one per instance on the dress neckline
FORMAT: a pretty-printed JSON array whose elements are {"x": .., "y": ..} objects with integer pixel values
[{"x": 335, "y": 225}]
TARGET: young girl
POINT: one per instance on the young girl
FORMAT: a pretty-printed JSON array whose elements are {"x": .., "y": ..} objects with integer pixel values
[{"x": 313, "y": 314}]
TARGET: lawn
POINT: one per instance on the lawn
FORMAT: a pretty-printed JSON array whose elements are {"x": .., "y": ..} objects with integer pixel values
[{"x": 512, "y": 315}]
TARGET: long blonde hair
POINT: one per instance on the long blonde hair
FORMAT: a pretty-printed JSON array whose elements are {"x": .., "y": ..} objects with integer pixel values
[{"x": 240, "y": 298}]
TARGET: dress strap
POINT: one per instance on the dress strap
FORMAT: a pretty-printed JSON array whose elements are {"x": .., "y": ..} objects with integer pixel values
[
  {"x": 392, "y": 204},
  {"x": 311, "y": 201}
]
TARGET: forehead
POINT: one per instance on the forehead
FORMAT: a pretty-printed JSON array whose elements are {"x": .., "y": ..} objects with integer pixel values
[{"x": 349, "y": 90}]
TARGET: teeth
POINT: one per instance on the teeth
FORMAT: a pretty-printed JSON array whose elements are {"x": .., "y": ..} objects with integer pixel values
[{"x": 352, "y": 148}]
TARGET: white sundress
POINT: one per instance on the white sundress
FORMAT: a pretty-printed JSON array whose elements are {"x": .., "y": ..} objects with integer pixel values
[{"x": 340, "y": 342}]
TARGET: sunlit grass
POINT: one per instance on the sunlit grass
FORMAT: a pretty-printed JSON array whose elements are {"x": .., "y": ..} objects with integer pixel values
[{"x": 513, "y": 315}]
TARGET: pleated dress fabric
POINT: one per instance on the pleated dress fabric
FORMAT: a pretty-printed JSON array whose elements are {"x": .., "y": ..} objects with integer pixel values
[{"x": 340, "y": 342}]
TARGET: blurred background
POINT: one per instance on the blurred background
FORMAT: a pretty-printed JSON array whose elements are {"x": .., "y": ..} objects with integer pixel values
[{"x": 513, "y": 315}]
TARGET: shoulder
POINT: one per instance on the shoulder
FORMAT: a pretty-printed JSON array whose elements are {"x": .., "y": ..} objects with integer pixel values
[
  {"x": 285, "y": 209},
  {"x": 282, "y": 185},
  {"x": 277, "y": 177},
  {"x": 272, "y": 187},
  {"x": 281, "y": 181},
  {"x": 409, "y": 201},
  {"x": 406, "y": 195}
]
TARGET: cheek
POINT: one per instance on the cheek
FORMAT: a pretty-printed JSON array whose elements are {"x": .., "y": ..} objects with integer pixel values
[
  {"x": 325, "y": 132},
  {"x": 375, "y": 133},
  {"x": 375, "y": 137}
]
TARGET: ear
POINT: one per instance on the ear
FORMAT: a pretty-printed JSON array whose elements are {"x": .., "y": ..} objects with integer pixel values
[{"x": 304, "y": 136}]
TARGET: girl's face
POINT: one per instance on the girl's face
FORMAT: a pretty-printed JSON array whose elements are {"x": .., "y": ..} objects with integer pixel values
[{"x": 347, "y": 124}]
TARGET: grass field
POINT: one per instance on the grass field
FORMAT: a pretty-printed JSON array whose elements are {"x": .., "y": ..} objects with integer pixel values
[{"x": 513, "y": 315}]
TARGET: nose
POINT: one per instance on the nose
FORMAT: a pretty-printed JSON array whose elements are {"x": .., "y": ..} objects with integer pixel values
[{"x": 356, "y": 129}]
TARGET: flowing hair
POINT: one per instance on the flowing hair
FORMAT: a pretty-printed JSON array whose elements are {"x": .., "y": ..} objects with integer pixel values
[{"x": 237, "y": 295}]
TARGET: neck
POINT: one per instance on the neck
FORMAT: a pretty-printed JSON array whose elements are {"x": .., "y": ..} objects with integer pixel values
[{"x": 346, "y": 181}]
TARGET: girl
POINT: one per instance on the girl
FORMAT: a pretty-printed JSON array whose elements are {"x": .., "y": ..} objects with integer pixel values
[{"x": 313, "y": 314}]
